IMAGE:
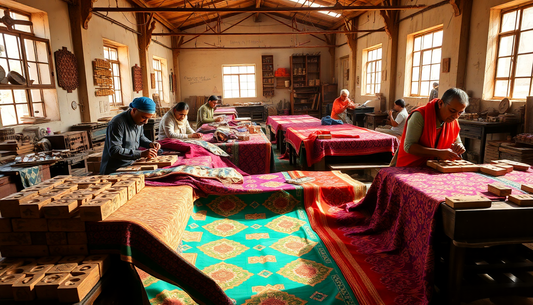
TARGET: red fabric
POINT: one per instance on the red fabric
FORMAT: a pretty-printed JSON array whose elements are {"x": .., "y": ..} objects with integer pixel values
[
  {"x": 339, "y": 106},
  {"x": 429, "y": 136},
  {"x": 277, "y": 122}
]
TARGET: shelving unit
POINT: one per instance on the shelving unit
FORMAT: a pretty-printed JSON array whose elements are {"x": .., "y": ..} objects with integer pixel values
[
  {"x": 305, "y": 85},
  {"x": 267, "y": 63}
]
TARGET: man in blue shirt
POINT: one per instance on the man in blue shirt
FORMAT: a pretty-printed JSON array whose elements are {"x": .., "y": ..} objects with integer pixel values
[{"x": 125, "y": 134}]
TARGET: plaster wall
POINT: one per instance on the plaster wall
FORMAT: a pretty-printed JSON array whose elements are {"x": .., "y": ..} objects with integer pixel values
[{"x": 201, "y": 70}]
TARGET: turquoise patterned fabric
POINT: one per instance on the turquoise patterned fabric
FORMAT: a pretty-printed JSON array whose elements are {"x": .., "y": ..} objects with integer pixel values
[
  {"x": 223, "y": 174},
  {"x": 210, "y": 147},
  {"x": 30, "y": 176}
]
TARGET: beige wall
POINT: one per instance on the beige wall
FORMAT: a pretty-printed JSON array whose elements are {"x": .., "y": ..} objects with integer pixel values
[{"x": 201, "y": 70}]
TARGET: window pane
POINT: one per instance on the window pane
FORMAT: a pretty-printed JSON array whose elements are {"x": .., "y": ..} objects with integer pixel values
[
  {"x": 45, "y": 74},
  {"x": 435, "y": 59},
  {"x": 22, "y": 110},
  {"x": 113, "y": 54},
  {"x": 370, "y": 67},
  {"x": 38, "y": 110},
  {"x": 500, "y": 88},
  {"x": 427, "y": 41},
  {"x": 435, "y": 72},
  {"x": 508, "y": 21},
  {"x": 521, "y": 87},
  {"x": 437, "y": 39},
  {"x": 20, "y": 96},
  {"x": 16, "y": 65},
  {"x": 369, "y": 78},
  {"x": 370, "y": 56},
  {"x": 416, "y": 74},
  {"x": 106, "y": 52},
  {"x": 116, "y": 70},
  {"x": 118, "y": 97},
  {"x": 526, "y": 42},
  {"x": 6, "y": 97},
  {"x": 414, "y": 88},
  {"x": 504, "y": 67},
  {"x": 8, "y": 115},
  {"x": 12, "y": 46},
  {"x": 244, "y": 85},
  {"x": 23, "y": 28},
  {"x": 424, "y": 88},
  {"x": 378, "y": 88},
  {"x": 524, "y": 65},
  {"x": 378, "y": 77},
  {"x": 426, "y": 57},
  {"x": 379, "y": 53},
  {"x": 426, "y": 72},
  {"x": 226, "y": 70},
  {"x": 30, "y": 49},
  {"x": 18, "y": 16},
  {"x": 116, "y": 83},
  {"x": 378, "y": 65},
  {"x": 42, "y": 51},
  {"x": 36, "y": 96},
  {"x": 417, "y": 44},
  {"x": 235, "y": 93},
  {"x": 234, "y": 70},
  {"x": 368, "y": 90},
  {"x": 416, "y": 59},
  {"x": 251, "y": 69},
  {"x": 32, "y": 67},
  {"x": 506, "y": 46},
  {"x": 2, "y": 47},
  {"x": 242, "y": 69},
  {"x": 527, "y": 19}
]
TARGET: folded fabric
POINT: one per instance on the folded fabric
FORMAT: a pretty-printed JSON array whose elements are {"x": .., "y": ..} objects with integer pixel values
[
  {"x": 340, "y": 134},
  {"x": 210, "y": 147},
  {"x": 226, "y": 175},
  {"x": 327, "y": 120}
]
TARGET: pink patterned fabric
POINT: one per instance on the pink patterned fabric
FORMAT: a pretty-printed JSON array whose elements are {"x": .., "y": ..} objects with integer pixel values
[
  {"x": 230, "y": 112},
  {"x": 369, "y": 142},
  {"x": 277, "y": 122},
  {"x": 390, "y": 231}
]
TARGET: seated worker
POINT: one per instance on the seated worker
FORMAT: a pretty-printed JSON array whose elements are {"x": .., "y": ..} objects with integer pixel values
[
  {"x": 432, "y": 131},
  {"x": 175, "y": 125},
  {"x": 206, "y": 112},
  {"x": 343, "y": 102},
  {"x": 398, "y": 123},
  {"x": 124, "y": 136}
]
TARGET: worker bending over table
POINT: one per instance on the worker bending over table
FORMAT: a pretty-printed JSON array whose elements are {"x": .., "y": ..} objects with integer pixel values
[
  {"x": 125, "y": 134},
  {"x": 343, "y": 102},
  {"x": 432, "y": 131},
  {"x": 206, "y": 112},
  {"x": 175, "y": 124}
]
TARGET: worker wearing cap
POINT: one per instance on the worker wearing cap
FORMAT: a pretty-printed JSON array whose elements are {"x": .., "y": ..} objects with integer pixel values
[
  {"x": 206, "y": 112},
  {"x": 125, "y": 134}
]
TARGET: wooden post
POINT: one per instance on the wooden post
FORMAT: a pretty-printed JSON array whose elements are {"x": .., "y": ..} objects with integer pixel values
[
  {"x": 391, "y": 28},
  {"x": 466, "y": 12},
  {"x": 352, "y": 42},
  {"x": 176, "y": 43},
  {"x": 74, "y": 11},
  {"x": 143, "y": 41}
]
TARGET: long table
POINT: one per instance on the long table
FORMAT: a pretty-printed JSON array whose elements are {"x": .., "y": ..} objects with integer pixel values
[
  {"x": 278, "y": 125},
  {"x": 368, "y": 142},
  {"x": 229, "y": 112}
]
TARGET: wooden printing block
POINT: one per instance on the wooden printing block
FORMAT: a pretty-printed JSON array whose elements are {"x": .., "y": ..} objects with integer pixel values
[
  {"x": 103, "y": 261},
  {"x": 493, "y": 170},
  {"x": 56, "y": 194},
  {"x": 88, "y": 184},
  {"x": 61, "y": 208},
  {"x": 9, "y": 206},
  {"x": 25, "y": 251},
  {"x": 516, "y": 165},
  {"x": 114, "y": 197},
  {"x": 324, "y": 136},
  {"x": 62, "y": 268},
  {"x": 79, "y": 196},
  {"x": 70, "y": 187},
  {"x": 449, "y": 168},
  {"x": 39, "y": 269},
  {"x": 62, "y": 177},
  {"x": 139, "y": 184},
  {"x": 110, "y": 178},
  {"x": 5, "y": 224},
  {"x": 243, "y": 137},
  {"x": 77, "y": 286},
  {"x": 48, "y": 260},
  {"x": 132, "y": 188},
  {"x": 140, "y": 176},
  {"x": 38, "y": 238},
  {"x": 499, "y": 190},
  {"x": 43, "y": 188},
  {"x": 5, "y": 266},
  {"x": 54, "y": 181},
  {"x": 468, "y": 202},
  {"x": 13, "y": 239},
  {"x": 523, "y": 200},
  {"x": 508, "y": 167},
  {"x": 32, "y": 208},
  {"x": 527, "y": 187},
  {"x": 73, "y": 224},
  {"x": 72, "y": 259},
  {"x": 6, "y": 283},
  {"x": 96, "y": 210},
  {"x": 46, "y": 288},
  {"x": 29, "y": 225},
  {"x": 23, "y": 289},
  {"x": 56, "y": 238},
  {"x": 87, "y": 268},
  {"x": 69, "y": 250},
  {"x": 77, "y": 238},
  {"x": 123, "y": 195},
  {"x": 96, "y": 190}
]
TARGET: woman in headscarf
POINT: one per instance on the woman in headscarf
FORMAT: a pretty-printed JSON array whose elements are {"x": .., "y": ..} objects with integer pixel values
[{"x": 175, "y": 125}]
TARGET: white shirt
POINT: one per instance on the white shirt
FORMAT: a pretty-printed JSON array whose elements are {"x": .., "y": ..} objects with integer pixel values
[
  {"x": 169, "y": 127},
  {"x": 400, "y": 119}
]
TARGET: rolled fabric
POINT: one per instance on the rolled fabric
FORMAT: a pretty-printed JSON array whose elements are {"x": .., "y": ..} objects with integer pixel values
[{"x": 143, "y": 104}]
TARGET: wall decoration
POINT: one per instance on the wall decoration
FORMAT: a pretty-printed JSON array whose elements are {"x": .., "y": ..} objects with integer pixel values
[
  {"x": 103, "y": 77},
  {"x": 136, "y": 72},
  {"x": 445, "y": 65},
  {"x": 152, "y": 80},
  {"x": 66, "y": 69},
  {"x": 171, "y": 81}
]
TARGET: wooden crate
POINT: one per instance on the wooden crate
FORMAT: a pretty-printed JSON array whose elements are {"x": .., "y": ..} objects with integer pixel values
[
  {"x": 516, "y": 152},
  {"x": 73, "y": 140}
]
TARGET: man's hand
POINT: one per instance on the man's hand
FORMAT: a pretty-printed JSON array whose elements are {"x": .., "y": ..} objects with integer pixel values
[
  {"x": 458, "y": 148},
  {"x": 156, "y": 146},
  {"x": 195, "y": 135},
  {"x": 390, "y": 114},
  {"x": 219, "y": 119},
  {"x": 149, "y": 153},
  {"x": 447, "y": 154}
]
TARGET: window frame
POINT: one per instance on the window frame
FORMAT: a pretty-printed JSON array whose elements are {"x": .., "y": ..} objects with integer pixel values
[
  {"x": 516, "y": 33},
  {"x": 375, "y": 71},
  {"x": 160, "y": 81},
  {"x": 239, "y": 79},
  {"x": 421, "y": 65},
  {"x": 113, "y": 97}
]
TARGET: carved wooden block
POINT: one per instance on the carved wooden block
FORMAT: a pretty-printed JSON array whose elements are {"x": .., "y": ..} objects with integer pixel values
[
  {"x": 516, "y": 165},
  {"x": 55, "y": 181},
  {"x": 468, "y": 202},
  {"x": 39, "y": 269},
  {"x": 140, "y": 176},
  {"x": 5, "y": 266},
  {"x": 23, "y": 289},
  {"x": 524, "y": 200},
  {"x": 62, "y": 208},
  {"x": 123, "y": 191},
  {"x": 46, "y": 288},
  {"x": 114, "y": 197},
  {"x": 77, "y": 238},
  {"x": 508, "y": 167},
  {"x": 25, "y": 251},
  {"x": 132, "y": 188},
  {"x": 72, "y": 259},
  {"x": 56, "y": 238},
  {"x": 13, "y": 239},
  {"x": 62, "y": 268},
  {"x": 9, "y": 206},
  {"x": 56, "y": 193},
  {"x": 136, "y": 168},
  {"x": 527, "y": 187},
  {"x": 96, "y": 210},
  {"x": 67, "y": 186},
  {"x": 499, "y": 190},
  {"x": 32, "y": 208},
  {"x": 254, "y": 129},
  {"x": 87, "y": 268},
  {"x": 6, "y": 283},
  {"x": 29, "y": 225},
  {"x": 74, "y": 224},
  {"x": 80, "y": 196},
  {"x": 160, "y": 161},
  {"x": 78, "y": 285},
  {"x": 139, "y": 184},
  {"x": 62, "y": 177},
  {"x": 102, "y": 260},
  {"x": 43, "y": 188},
  {"x": 493, "y": 170},
  {"x": 5, "y": 224},
  {"x": 48, "y": 260},
  {"x": 38, "y": 238},
  {"x": 96, "y": 190},
  {"x": 110, "y": 178},
  {"x": 69, "y": 250},
  {"x": 88, "y": 184}
]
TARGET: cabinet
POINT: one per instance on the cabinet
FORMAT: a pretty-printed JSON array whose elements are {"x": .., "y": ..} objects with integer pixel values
[
  {"x": 373, "y": 120},
  {"x": 267, "y": 63},
  {"x": 305, "y": 84}
]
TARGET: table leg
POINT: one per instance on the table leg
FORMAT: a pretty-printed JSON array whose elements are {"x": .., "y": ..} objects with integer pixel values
[
  {"x": 289, "y": 149},
  {"x": 455, "y": 273},
  {"x": 482, "y": 148}
]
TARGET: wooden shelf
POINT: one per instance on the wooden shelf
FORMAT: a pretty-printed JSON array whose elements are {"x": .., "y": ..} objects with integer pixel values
[
  {"x": 311, "y": 94},
  {"x": 267, "y": 65}
]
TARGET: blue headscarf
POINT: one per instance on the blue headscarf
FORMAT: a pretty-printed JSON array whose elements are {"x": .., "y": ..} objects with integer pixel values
[{"x": 143, "y": 104}]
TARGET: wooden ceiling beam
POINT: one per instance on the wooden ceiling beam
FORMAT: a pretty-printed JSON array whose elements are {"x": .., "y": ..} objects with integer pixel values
[
  {"x": 268, "y": 33},
  {"x": 256, "y": 10},
  {"x": 301, "y": 21},
  {"x": 158, "y": 16},
  {"x": 256, "y": 48},
  {"x": 192, "y": 25},
  {"x": 257, "y": 5}
]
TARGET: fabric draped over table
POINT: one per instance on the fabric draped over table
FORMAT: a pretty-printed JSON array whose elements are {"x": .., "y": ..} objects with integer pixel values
[{"x": 282, "y": 122}]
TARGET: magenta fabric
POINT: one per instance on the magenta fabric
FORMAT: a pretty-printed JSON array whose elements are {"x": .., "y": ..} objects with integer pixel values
[
  {"x": 193, "y": 151},
  {"x": 395, "y": 222},
  {"x": 277, "y": 122},
  {"x": 369, "y": 142}
]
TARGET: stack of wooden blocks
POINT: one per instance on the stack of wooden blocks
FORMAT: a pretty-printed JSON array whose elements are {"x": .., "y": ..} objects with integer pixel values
[
  {"x": 49, "y": 218},
  {"x": 496, "y": 168},
  {"x": 66, "y": 279},
  {"x": 93, "y": 162}
]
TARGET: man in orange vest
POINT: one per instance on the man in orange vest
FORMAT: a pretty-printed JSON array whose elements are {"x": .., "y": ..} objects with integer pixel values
[
  {"x": 432, "y": 131},
  {"x": 343, "y": 102}
]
